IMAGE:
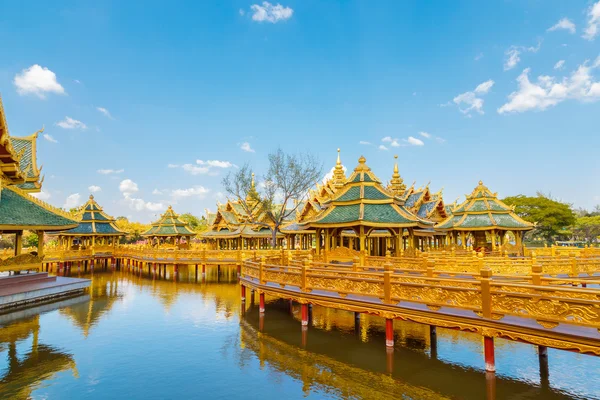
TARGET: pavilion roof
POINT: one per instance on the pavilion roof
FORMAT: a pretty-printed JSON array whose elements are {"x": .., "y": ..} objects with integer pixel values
[
  {"x": 19, "y": 210},
  {"x": 482, "y": 210},
  {"x": 94, "y": 222},
  {"x": 169, "y": 224},
  {"x": 245, "y": 231},
  {"x": 363, "y": 201},
  {"x": 26, "y": 149}
]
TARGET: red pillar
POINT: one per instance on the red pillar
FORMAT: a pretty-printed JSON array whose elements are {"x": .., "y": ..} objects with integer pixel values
[
  {"x": 203, "y": 269},
  {"x": 304, "y": 309},
  {"x": 243, "y": 293},
  {"x": 261, "y": 306},
  {"x": 389, "y": 332},
  {"x": 488, "y": 349}
]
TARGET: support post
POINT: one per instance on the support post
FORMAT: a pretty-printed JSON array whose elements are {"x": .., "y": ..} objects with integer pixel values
[
  {"x": 389, "y": 332},
  {"x": 243, "y": 293},
  {"x": 433, "y": 341},
  {"x": 488, "y": 349},
  {"x": 261, "y": 305},
  {"x": 304, "y": 308}
]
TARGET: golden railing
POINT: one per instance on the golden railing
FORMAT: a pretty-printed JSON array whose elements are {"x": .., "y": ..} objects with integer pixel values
[{"x": 544, "y": 299}]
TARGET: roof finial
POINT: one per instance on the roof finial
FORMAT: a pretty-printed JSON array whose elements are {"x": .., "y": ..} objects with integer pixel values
[
  {"x": 91, "y": 197},
  {"x": 252, "y": 184},
  {"x": 339, "y": 177},
  {"x": 397, "y": 183}
]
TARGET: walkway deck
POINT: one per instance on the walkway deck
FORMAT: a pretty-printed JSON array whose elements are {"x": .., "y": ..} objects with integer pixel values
[{"x": 19, "y": 290}]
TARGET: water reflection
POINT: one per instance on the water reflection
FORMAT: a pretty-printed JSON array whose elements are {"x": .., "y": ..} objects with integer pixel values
[{"x": 174, "y": 335}]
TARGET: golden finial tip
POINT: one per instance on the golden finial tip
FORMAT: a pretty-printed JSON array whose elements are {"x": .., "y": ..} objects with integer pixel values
[
  {"x": 480, "y": 182},
  {"x": 396, "y": 156},
  {"x": 338, "y": 149},
  {"x": 91, "y": 197},
  {"x": 362, "y": 160}
]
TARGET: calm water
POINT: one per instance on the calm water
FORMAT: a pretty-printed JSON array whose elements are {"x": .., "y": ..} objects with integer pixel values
[{"x": 138, "y": 337}]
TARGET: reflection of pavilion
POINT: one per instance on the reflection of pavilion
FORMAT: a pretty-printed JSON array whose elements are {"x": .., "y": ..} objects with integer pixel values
[
  {"x": 326, "y": 374},
  {"x": 103, "y": 294},
  {"x": 24, "y": 373}
]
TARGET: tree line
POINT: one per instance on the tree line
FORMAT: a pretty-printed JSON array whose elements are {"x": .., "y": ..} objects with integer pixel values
[{"x": 556, "y": 220}]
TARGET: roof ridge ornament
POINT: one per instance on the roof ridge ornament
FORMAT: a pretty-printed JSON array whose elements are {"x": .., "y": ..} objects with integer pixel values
[
  {"x": 397, "y": 185},
  {"x": 339, "y": 177}
]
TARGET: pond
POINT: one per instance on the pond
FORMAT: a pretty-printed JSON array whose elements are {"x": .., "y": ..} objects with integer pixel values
[{"x": 153, "y": 338}]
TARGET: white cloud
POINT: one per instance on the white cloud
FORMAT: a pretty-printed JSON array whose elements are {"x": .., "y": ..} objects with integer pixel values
[
  {"x": 77, "y": 81},
  {"x": 216, "y": 163},
  {"x": 105, "y": 112},
  {"x": 127, "y": 187},
  {"x": 246, "y": 147},
  {"x": 513, "y": 54},
  {"x": 471, "y": 99},
  {"x": 270, "y": 13},
  {"x": 94, "y": 189},
  {"x": 242, "y": 12},
  {"x": 425, "y": 134},
  {"x": 198, "y": 191},
  {"x": 591, "y": 31},
  {"x": 365, "y": 143},
  {"x": 382, "y": 147},
  {"x": 70, "y": 123},
  {"x": 110, "y": 171},
  {"x": 478, "y": 56},
  {"x": 195, "y": 170},
  {"x": 141, "y": 205},
  {"x": 156, "y": 191},
  {"x": 42, "y": 195},
  {"x": 37, "y": 80},
  {"x": 549, "y": 91},
  {"x": 560, "y": 64},
  {"x": 564, "y": 23},
  {"x": 512, "y": 58},
  {"x": 50, "y": 138},
  {"x": 413, "y": 141},
  {"x": 72, "y": 201},
  {"x": 173, "y": 166}
]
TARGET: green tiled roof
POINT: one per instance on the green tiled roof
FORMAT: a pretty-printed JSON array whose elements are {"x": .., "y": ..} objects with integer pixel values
[
  {"x": 25, "y": 145},
  {"x": 483, "y": 211},
  {"x": 426, "y": 209},
  {"x": 18, "y": 210},
  {"x": 363, "y": 201},
  {"x": 351, "y": 194},
  {"x": 169, "y": 224},
  {"x": 94, "y": 222},
  {"x": 412, "y": 199}
]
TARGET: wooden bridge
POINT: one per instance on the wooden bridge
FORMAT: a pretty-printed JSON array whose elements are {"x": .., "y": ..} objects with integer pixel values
[{"x": 560, "y": 311}]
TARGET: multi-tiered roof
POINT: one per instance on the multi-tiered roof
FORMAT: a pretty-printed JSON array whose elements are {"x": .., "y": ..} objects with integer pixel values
[
  {"x": 94, "y": 222},
  {"x": 169, "y": 225},
  {"x": 19, "y": 210},
  {"x": 363, "y": 201},
  {"x": 483, "y": 211}
]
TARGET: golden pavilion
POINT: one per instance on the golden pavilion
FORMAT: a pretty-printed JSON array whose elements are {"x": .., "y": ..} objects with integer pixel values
[
  {"x": 484, "y": 218},
  {"x": 95, "y": 228},
  {"x": 19, "y": 211},
  {"x": 238, "y": 226},
  {"x": 170, "y": 230}
]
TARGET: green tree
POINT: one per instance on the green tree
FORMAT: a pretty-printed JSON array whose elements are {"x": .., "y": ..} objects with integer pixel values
[
  {"x": 587, "y": 228},
  {"x": 30, "y": 239},
  {"x": 552, "y": 218},
  {"x": 133, "y": 230},
  {"x": 198, "y": 225}
]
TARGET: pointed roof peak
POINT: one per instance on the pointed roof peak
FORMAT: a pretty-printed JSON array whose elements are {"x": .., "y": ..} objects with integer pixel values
[{"x": 362, "y": 164}]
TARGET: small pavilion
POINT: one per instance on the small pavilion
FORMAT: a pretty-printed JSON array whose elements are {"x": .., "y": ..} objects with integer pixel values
[
  {"x": 19, "y": 210},
  {"x": 484, "y": 221},
  {"x": 96, "y": 229},
  {"x": 169, "y": 230},
  {"x": 364, "y": 207}
]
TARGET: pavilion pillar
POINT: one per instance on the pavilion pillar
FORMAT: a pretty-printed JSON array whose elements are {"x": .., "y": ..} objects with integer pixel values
[
  {"x": 261, "y": 305},
  {"x": 488, "y": 349},
  {"x": 40, "y": 246},
  {"x": 18, "y": 243},
  {"x": 243, "y": 293},
  {"x": 389, "y": 332},
  {"x": 318, "y": 241},
  {"x": 304, "y": 309}
]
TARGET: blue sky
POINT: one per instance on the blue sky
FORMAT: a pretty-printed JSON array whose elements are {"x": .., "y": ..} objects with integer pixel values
[{"x": 151, "y": 105}]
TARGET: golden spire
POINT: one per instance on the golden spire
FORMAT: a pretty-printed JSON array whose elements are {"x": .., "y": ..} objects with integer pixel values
[
  {"x": 339, "y": 177},
  {"x": 252, "y": 196},
  {"x": 91, "y": 197},
  {"x": 362, "y": 164},
  {"x": 397, "y": 183}
]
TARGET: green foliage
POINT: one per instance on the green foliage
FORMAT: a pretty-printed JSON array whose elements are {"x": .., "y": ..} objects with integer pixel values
[
  {"x": 198, "y": 225},
  {"x": 587, "y": 228},
  {"x": 133, "y": 230},
  {"x": 30, "y": 239},
  {"x": 552, "y": 218}
]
